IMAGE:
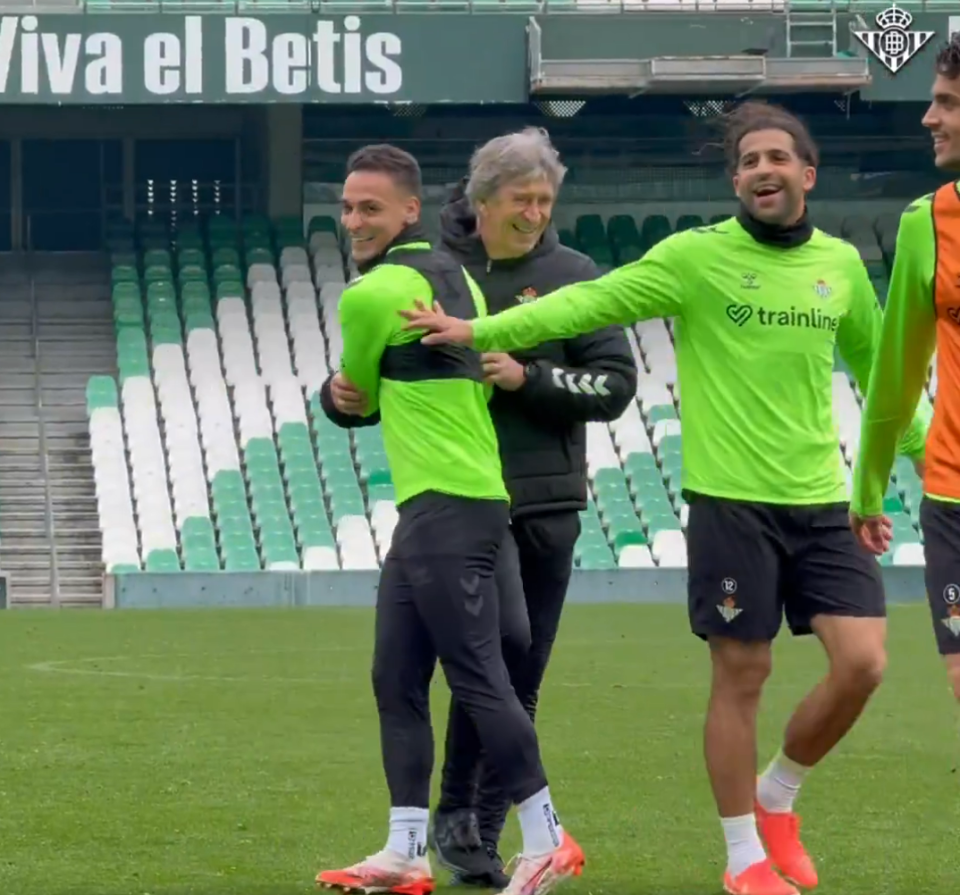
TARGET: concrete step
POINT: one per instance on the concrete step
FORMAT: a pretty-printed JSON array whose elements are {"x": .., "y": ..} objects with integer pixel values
[
  {"x": 19, "y": 365},
  {"x": 19, "y": 464},
  {"x": 61, "y": 503},
  {"x": 22, "y": 517},
  {"x": 99, "y": 361},
  {"x": 15, "y": 442},
  {"x": 20, "y": 499},
  {"x": 24, "y": 545},
  {"x": 29, "y": 585},
  {"x": 74, "y": 332},
  {"x": 70, "y": 473},
  {"x": 33, "y": 563},
  {"x": 62, "y": 492},
  {"x": 56, "y": 428},
  {"x": 17, "y": 380},
  {"x": 76, "y": 515},
  {"x": 81, "y": 539},
  {"x": 20, "y": 412},
  {"x": 22, "y": 482},
  {"x": 74, "y": 600},
  {"x": 22, "y": 437},
  {"x": 67, "y": 462},
  {"x": 22, "y": 528},
  {"x": 85, "y": 554},
  {"x": 54, "y": 381},
  {"x": 65, "y": 402},
  {"x": 17, "y": 332}
]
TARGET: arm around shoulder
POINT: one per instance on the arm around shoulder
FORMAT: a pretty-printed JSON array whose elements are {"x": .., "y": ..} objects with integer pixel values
[{"x": 650, "y": 287}]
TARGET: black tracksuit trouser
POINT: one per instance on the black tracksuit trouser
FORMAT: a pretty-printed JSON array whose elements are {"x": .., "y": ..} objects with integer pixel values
[
  {"x": 533, "y": 573},
  {"x": 437, "y": 599}
]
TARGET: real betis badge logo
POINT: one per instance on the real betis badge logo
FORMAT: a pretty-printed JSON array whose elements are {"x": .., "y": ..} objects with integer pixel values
[
  {"x": 951, "y": 596},
  {"x": 529, "y": 294},
  {"x": 822, "y": 289},
  {"x": 952, "y": 621}
]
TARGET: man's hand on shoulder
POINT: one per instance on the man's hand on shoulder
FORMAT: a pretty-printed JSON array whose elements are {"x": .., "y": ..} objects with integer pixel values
[
  {"x": 347, "y": 398},
  {"x": 503, "y": 371}
]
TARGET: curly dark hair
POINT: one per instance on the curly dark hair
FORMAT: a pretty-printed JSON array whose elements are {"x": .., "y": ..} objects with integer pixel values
[
  {"x": 753, "y": 116},
  {"x": 948, "y": 59}
]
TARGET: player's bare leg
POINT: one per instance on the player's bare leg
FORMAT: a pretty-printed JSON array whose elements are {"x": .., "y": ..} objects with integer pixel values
[
  {"x": 952, "y": 664},
  {"x": 730, "y": 748},
  {"x": 856, "y": 650}
]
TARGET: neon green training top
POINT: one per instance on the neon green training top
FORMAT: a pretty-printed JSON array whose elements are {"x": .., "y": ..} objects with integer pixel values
[
  {"x": 437, "y": 430},
  {"x": 755, "y": 336},
  {"x": 910, "y": 335}
]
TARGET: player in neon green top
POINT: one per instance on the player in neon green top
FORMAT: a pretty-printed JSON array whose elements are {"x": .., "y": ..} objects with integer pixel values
[
  {"x": 436, "y": 598},
  {"x": 923, "y": 314},
  {"x": 410, "y": 389},
  {"x": 761, "y": 302}
]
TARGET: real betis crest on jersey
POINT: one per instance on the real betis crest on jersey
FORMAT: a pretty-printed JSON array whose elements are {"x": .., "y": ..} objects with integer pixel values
[
  {"x": 528, "y": 295},
  {"x": 822, "y": 289}
]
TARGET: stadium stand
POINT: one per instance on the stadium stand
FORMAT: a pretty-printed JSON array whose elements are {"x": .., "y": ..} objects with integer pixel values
[
  {"x": 56, "y": 331},
  {"x": 225, "y": 333}
]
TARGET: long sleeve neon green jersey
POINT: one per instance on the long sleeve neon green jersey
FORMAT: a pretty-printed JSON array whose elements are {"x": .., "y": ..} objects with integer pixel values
[
  {"x": 437, "y": 430},
  {"x": 756, "y": 329},
  {"x": 918, "y": 316}
]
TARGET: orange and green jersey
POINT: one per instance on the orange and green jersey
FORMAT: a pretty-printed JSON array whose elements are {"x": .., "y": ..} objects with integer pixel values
[
  {"x": 922, "y": 315},
  {"x": 756, "y": 331}
]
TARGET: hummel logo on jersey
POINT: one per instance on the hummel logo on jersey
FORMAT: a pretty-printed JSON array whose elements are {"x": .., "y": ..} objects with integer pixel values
[
  {"x": 581, "y": 384},
  {"x": 749, "y": 281},
  {"x": 741, "y": 314}
]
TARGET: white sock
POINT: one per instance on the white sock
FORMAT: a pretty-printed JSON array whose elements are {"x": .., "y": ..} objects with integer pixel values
[
  {"x": 539, "y": 824},
  {"x": 779, "y": 784},
  {"x": 408, "y": 832},
  {"x": 744, "y": 848}
]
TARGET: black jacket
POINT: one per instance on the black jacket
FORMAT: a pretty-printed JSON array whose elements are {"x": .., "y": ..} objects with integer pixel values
[{"x": 542, "y": 426}]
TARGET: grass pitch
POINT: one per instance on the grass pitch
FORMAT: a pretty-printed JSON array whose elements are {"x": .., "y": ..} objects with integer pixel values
[{"x": 236, "y": 753}]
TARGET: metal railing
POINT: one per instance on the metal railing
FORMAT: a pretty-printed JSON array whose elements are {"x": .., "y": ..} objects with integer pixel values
[
  {"x": 526, "y": 7},
  {"x": 48, "y": 514}
]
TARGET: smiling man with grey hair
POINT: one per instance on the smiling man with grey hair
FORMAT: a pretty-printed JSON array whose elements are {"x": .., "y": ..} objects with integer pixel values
[{"x": 498, "y": 225}]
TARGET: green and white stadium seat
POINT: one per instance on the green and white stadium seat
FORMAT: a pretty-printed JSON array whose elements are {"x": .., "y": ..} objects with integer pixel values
[
  {"x": 121, "y": 548},
  {"x": 213, "y": 452}
]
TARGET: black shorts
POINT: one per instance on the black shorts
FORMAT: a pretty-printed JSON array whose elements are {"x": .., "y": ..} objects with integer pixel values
[
  {"x": 752, "y": 563},
  {"x": 940, "y": 522}
]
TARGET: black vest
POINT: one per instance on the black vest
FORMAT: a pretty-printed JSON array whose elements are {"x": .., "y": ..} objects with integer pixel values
[{"x": 414, "y": 361}]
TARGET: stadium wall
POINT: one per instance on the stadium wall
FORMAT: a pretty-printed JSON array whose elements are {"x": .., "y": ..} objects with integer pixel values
[{"x": 189, "y": 590}]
